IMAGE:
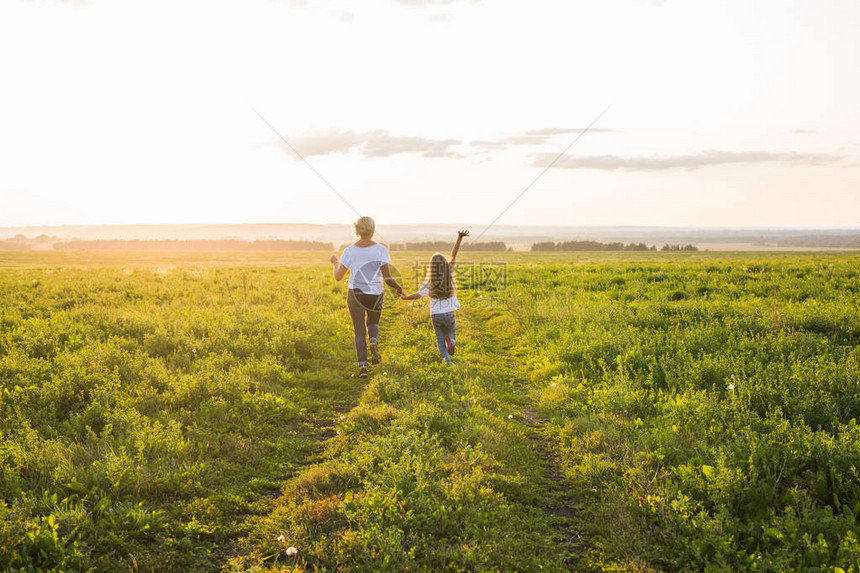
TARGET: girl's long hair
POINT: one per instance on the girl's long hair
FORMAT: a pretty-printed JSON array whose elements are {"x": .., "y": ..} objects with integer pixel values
[{"x": 440, "y": 279}]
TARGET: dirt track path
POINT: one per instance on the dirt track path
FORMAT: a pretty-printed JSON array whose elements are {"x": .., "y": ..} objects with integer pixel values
[
  {"x": 496, "y": 345},
  {"x": 420, "y": 437}
]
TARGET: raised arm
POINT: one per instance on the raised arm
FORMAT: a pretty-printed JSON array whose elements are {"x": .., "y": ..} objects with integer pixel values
[
  {"x": 456, "y": 248},
  {"x": 338, "y": 269}
]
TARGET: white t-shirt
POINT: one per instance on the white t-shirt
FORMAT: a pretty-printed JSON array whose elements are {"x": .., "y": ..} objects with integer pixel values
[
  {"x": 363, "y": 264},
  {"x": 439, "y": 305}
]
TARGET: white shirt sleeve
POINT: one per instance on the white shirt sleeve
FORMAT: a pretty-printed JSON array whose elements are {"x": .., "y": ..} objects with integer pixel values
[
  {"x": 346, "y": 257},
  {"x": 424, "y": 290}
]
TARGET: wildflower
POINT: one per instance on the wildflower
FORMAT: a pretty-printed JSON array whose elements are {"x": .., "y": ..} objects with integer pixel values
[
  {"x": 342, "y": 417},
  {"x": 553, "y": 384},
  {"x": 510, "y": 416},
  {"x": 732, "y": 386},
  {"x": 292, "y": 550},
  {"x": 338, "y": 432},
  {"x": 281, "y": 538}
]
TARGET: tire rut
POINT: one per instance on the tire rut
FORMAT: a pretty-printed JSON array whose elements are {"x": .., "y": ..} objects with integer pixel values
[{"x": 560, "y": 501}]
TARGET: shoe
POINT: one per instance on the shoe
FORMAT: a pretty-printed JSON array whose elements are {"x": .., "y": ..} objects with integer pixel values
[
  {"x": 449, "y": 344},
  {"x": 362, "y": 371},
  {"x": 374, "y": 352}
]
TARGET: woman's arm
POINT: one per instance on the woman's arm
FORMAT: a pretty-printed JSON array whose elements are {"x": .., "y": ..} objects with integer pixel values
[
  {"x": 456, "y": 248},
  {"x": 390, "y": 280},
  {"x": 413, "y": 296},
  {"x": 338, "y": 269}
]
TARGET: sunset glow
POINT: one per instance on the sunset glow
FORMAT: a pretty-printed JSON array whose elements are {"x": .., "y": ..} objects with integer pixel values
[{"x": 717, "y": 114}]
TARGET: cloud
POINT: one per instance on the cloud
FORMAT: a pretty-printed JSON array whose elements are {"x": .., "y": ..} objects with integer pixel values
[
  {"x": 323, "y": 143},
  {"x": 533, "y": 137},
  {"x": 540, "y": 136},
  {"x": 660, "y": 162},
  {"x": 484, "y": 145},
  {"x": 384, "y": 145},
  {"x": 378, "y": 143}
]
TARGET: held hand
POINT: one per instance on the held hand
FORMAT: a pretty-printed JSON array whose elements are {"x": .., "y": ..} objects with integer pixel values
[
  {"x": 333, "y": 259},
  {"x": 463, "y": 233}
]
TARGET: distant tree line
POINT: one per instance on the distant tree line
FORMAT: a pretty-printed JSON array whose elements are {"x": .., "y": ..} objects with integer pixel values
[
  {"x": 191, "y": 245},
  {"x": 830, "y": 242},
  {"x": 21, "y": 243},
  {"x": 12, "y": 245},
  {"x": 668, "y": 247},
  {"x": 590, "y": 246},
  {"x": 443, "y": 246}
]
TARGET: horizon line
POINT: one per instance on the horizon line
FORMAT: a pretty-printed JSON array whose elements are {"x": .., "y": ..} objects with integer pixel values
[{"x": 855, "y": 227}]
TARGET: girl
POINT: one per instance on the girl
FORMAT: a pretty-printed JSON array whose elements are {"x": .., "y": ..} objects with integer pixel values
[
  {"x": 367, "y": 263},
  {"x": 439, "y": 286}
]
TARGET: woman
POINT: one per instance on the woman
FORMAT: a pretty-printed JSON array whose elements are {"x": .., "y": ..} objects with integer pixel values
[{"x": 367, "y": 262}]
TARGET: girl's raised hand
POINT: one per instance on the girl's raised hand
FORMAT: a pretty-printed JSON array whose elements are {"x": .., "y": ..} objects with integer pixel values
[{"x": 463, "y": 233}]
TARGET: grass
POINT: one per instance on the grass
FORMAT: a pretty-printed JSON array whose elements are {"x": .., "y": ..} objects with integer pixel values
[
  {"x": 149, "y": 413},
  {"x": 709, "y": 406},
  {"x": 621, "y": 411}
]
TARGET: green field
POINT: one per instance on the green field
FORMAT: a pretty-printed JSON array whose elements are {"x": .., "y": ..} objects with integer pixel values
[{"x": 612, "y": 411}]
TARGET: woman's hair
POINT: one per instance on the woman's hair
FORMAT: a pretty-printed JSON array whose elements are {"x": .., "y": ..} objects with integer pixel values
[
  {"x": 440, "y": 279},
  {"x": 364, "y": 227}
]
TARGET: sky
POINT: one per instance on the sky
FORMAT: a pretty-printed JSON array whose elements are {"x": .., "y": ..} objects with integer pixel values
[{"x": 672, "y": 113}]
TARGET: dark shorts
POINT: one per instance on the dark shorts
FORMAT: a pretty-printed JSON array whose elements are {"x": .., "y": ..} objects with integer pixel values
[{"x": 369, "y": 302}]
